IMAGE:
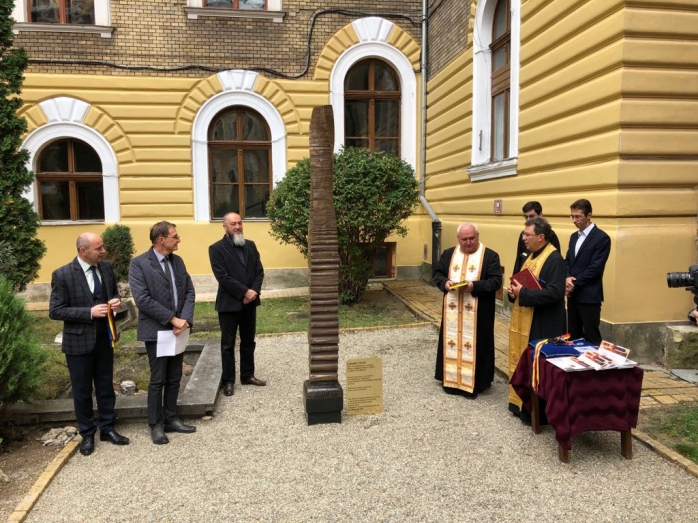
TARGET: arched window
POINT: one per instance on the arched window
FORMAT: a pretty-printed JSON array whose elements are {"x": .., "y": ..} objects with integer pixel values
[
  {"x": 372, "y": 107},
  {"x": 69, "y": 182},
  {"x": 501, "y": 80},
  {"x": 240, "y": 178}
]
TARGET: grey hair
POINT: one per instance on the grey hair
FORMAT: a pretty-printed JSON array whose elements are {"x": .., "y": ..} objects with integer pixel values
[{"x": 467, "y": 224}]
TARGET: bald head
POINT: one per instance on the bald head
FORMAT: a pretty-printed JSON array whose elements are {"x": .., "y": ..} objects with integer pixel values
[
  {"x": 90, "y": 248},
  {"x": 232, "y": 224},
  {"x": 468, "y": 237}
]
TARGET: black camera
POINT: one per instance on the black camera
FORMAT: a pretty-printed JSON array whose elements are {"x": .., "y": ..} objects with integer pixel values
[
  {"x": 683, "y": 279},
  {"x": 688, "y": 280}
]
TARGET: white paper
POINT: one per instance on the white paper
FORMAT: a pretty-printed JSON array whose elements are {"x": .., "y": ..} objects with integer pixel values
[{"x": 171, "y": 345}]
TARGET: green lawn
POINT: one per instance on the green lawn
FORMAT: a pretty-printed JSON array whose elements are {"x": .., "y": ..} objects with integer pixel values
[{"x": 676, "y": 426}]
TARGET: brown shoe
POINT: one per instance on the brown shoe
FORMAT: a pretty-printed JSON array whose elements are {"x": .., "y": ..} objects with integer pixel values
[
  {"x": 229, "y": 389},
  {"x": 253, "y": 381}
]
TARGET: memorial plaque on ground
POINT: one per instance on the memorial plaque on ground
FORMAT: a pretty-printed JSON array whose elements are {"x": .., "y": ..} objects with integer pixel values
[{"x": 364, "y": 386}]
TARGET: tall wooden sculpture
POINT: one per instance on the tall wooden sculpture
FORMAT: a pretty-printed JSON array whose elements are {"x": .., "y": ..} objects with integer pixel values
[{"x": 322, "y": 393}]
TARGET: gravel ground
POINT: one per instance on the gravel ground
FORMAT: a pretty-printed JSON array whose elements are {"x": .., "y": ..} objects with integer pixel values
[{"x": 429, "y": 457}]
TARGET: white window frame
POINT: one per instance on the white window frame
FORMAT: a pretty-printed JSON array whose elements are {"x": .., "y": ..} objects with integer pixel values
[
  {"x": 238, "y": 88},
  {"x": 102, "y": 21},
  {"x": 65, "y": 116},
  {"x": 373, "y": 34},
  {"x": 196, "y": 9},
  {"x": 482, "y": 168}
]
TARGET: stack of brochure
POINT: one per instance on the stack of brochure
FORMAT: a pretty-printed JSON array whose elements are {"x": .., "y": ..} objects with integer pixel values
[{"x": 607, "y": 356}]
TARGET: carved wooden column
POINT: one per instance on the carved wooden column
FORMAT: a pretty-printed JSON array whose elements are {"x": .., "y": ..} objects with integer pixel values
[{"x": 322, "y": 393}]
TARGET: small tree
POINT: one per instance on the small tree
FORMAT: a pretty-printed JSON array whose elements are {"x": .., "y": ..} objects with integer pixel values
[
  {"x": 373, "y": 194},
  {"x": 118, "y": 242},
  {"x": 22, "y": 360},
  {"x": 20, "y": 222}
]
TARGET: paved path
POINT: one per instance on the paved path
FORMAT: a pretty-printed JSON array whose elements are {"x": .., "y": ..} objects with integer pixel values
[
  {"x": 429, "y": 457},
  {"x": 659, "y": 387}
]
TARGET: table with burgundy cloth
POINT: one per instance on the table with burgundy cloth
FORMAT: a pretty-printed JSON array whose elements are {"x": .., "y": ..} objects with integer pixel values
[{"x": 580, "y": 401}]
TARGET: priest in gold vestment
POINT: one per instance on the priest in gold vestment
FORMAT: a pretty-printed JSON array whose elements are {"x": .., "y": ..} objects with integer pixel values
[
  {"x": 537, "y": 313},
  {"x": 469, "y": 276}
]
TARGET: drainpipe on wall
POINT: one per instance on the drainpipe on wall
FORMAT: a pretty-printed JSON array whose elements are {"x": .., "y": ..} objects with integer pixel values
[{"x": 435, "y": 223}]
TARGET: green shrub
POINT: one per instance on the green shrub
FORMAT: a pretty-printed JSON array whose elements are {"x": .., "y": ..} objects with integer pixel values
[
  {"x": 373, "y": 194},
  {"x": 118, "y": 242},
  {"x": 20, "y": 249},
  {"x": 22, "y": 360}
]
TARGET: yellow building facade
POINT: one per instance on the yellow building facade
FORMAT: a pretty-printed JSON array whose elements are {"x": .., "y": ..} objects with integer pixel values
[
  {"x": 602, "y": 105},
  {"x": 151, "y": 137},
  {"x": 607, "y": 111}
]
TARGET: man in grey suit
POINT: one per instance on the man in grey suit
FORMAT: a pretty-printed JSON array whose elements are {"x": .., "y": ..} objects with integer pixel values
[
  {"x": 236, "y": 265},
  {"x": 164, "y": 295},
  {"x": 82, "y": 293}
]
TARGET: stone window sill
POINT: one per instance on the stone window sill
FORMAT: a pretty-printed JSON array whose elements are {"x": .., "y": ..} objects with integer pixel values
[
  {"x": 69, "y": 222},
  {"x": 195, "y": 12},
  {"x": 102, "y": 30},
  {"x": 488, "y": 171}
]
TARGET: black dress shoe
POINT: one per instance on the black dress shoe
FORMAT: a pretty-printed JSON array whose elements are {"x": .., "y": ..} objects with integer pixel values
[
  {"x": 228, "y": 389},
  {"x": 87, "y": 445},
  {"x": 176, "y": 425},
  {"x": 113, "y": 436},
  {"x": 253, "y": 381},
  {"x": 158, "y": 435}
]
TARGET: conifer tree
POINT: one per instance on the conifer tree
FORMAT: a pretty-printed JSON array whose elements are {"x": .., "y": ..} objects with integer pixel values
[{"x": 20, "y": 249}]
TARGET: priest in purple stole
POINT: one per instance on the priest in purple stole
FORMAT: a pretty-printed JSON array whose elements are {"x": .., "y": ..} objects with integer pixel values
[{"x": 469, "y": 276}]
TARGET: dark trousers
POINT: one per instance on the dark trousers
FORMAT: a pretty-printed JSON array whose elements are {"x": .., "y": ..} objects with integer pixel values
[
  {"x": 163, "y": 390},
  {"x": 85, "y": 369},
  {"x": 583, "y": 320},
  {"x": 246, "y": 319}
]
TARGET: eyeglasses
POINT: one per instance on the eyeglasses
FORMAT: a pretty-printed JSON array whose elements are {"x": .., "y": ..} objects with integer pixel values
[
  {"x": 577, "y": 217},
  {"x": 175, "y": 236}
]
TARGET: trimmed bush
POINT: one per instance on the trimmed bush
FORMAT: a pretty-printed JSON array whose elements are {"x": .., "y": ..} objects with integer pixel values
[
  {"x": 118, "y": 242},
  {"x": 373, "y": 194}
]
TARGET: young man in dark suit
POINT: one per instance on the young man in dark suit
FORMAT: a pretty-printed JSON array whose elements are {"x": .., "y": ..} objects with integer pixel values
[
  {"x": 237, "y": 267},
  {"x": 82, "y": 293},
  {"x": 530, "y": 210},
  {"x": 164, "y": 295},
  {"x": 586, "y": 258}
]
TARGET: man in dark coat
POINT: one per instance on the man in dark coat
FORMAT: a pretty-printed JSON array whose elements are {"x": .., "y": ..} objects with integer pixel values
[
  {"x": 585, "y": 262},
  {"x": 82, "y": 293},
  {"x": 164, "y": 295},
  {"x": 537, "y": 313},
  {"x": 237, "y": 266},
  {"x": 469, "y": 277},
  {"x": 530, "y": 210}
]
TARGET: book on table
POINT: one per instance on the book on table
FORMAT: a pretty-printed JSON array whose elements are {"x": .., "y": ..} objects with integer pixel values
[
  {"x": 527, "y": 279},
  {"x": 606, "y": 357}
]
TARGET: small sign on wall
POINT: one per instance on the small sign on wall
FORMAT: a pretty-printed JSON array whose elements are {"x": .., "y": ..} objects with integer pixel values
[{"x": 498, "y": 206}]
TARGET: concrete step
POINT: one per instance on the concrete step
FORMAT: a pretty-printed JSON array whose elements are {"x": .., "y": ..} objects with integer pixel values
[{"x": 197, "y": 399}]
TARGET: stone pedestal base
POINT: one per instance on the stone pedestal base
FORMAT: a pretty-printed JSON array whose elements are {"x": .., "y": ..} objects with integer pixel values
[{"x": 323, "y": 401}]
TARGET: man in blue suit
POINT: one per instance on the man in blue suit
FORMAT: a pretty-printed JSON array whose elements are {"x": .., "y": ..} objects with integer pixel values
[
  {"x": 164, "y": 295},
  {"x": 82, "y": 293},
  {"x": 585, "y": 262}
]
